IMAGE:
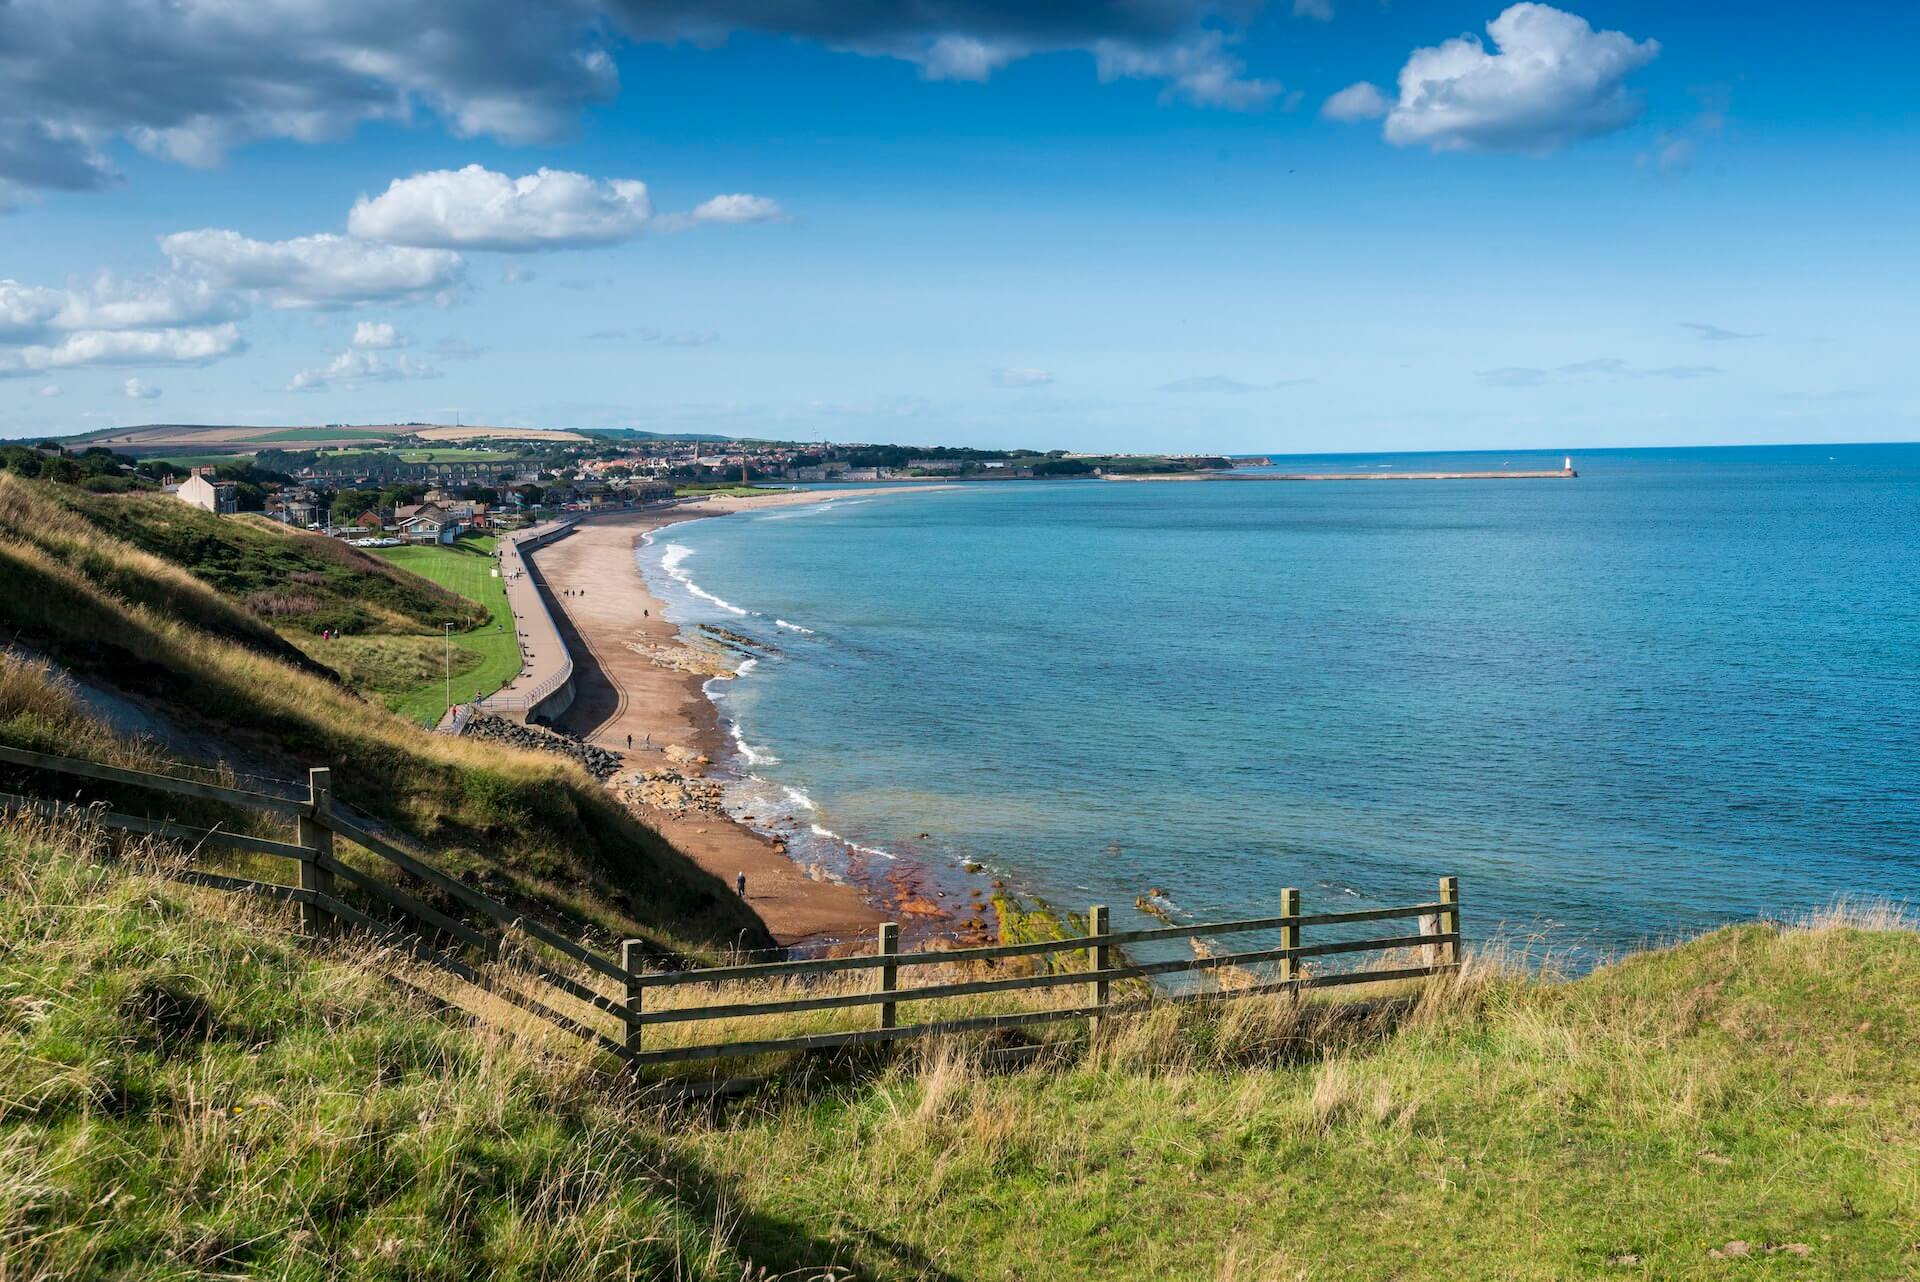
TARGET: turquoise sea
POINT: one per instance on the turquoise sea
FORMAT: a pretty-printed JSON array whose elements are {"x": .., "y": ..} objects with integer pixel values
[{"x": 1680, "y": 690}]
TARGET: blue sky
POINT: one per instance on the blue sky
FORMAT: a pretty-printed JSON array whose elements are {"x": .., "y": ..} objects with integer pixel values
[{"x": 1133, "y": 225}]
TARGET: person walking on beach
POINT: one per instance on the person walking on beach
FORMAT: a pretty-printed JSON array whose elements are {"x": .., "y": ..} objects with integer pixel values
[
  {"x": 740, "y": 884},
  {"x": 629, "y": 743}
]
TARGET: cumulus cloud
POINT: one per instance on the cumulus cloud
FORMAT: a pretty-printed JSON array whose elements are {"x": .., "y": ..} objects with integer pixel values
[
  {"x": 190, "y": 79},
  {"x": 317, "y": 272},
  {"x": 377, "y": 336},
  {"x": 1169, "y": 40},
  {"x": 137, "y": 389},
  {"x": 1017, "y": 376},
  {"x": 1362, "y": 101},
  {"x": 51, "y": 389},
  {"x": 736, "y": 208},
  {"x": 115, "y": 321},
  {"x": 477, "y": 208},
  {"x": 29, "y": 312},
  {"x": 357, "y": 367},
  {"x": 1552, "y": 80},
  {"x": 124, "y": 347}
]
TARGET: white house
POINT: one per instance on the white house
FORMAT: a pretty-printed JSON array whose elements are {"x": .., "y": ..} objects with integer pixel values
[{"x": 201, "y": 490}]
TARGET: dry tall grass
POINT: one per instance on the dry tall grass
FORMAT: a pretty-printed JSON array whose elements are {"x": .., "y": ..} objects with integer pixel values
[{"x": 538, "y": 820}]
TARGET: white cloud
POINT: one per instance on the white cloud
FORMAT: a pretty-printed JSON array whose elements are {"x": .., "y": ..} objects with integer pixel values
[
  {"x": 1171, "y": 40},
  {"x": 1318, "y": 10},
  {"x": 1554, "y": 80},
  {"x": 140, "y": 390},
  {"x": 356, "y": 368},
  {"x": 477, "y": 208},
  {"x": 377, "y": 336},
  {"x": 1017, "y": 376},
  {"x": 515, "y": 274},
  {"x": 125, "y": 347},
  {"x": 1362, "y": 101},
  {"x": 115, "y": 321},
  {"x": 30, "y": 312},
  {"x": 737, "y": 208},
  {"x": 189, "y": 79},
  {"x": 323, "y": 272},
  {"x": 51, "y": 389},
  {"x": 1198, "y": 69}
]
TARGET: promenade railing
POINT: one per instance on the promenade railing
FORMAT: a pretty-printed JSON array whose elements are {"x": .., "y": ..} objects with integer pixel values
[
  {"x": 546, "y": 687},
  {"x": 624, "y": 1007}
]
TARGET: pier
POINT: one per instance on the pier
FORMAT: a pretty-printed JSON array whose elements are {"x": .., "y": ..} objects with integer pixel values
[{"x": 1505, "y": 474}]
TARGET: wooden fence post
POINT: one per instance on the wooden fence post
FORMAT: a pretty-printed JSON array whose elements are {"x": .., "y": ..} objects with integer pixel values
[
  {"x": 1450, "y": 919},
  {"x": 1101, "y": 956},
  {"x": 889, "y": 973},
  {"x": 317, "y": 838},
  {"x": 630, "y": 963},
  {"x": 1290, "y": 935}
]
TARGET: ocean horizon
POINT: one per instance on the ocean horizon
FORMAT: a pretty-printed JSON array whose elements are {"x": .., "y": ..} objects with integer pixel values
[{"x": 1677, "y": 691}]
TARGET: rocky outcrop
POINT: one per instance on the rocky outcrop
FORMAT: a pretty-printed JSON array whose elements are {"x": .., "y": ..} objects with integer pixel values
[{"x": 598, "y": 762}]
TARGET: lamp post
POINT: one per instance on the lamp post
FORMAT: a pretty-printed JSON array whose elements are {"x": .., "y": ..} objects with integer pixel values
[{"x": 447, "y": 659}]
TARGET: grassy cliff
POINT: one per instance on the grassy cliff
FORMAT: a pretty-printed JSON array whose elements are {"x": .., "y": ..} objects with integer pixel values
[
  {"x": 532, "y": 827},
  {"x": 188, "y": 1090}
]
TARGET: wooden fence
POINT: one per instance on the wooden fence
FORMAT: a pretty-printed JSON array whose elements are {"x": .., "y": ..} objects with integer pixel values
[{"x": 461, "y": 949}]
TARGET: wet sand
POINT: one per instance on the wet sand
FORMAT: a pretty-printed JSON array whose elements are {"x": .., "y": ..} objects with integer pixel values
[{"x": 622, "y": 690}]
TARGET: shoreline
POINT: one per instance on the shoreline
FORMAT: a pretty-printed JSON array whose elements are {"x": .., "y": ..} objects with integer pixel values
[{"x": 638, "y": 673}]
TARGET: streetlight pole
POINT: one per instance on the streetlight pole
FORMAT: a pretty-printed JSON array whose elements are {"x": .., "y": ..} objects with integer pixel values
[{"x": 447, "y": 658}]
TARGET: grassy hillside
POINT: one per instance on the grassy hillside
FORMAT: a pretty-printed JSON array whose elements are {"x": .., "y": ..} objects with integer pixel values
[
  {"x": 532, "y": 827},
  {"x": 295, "y": 580},
  {"x": 188, "y": 1090}
]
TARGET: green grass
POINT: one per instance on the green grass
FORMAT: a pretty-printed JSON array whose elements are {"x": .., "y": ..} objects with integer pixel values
[
  {"x": 532, "y": 826},
  {"x": 327, "y": 434},
  {"x": 201, "y": 460},
  {"x": 735, "y": 490},
  {"x": 492, "y": 652},
  {"x": 300, "y": 582},
  {"x": 187, "y": 1090}
]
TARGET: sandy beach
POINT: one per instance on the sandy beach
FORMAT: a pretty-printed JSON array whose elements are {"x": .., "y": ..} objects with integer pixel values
[{"x": 636, "y": 677}]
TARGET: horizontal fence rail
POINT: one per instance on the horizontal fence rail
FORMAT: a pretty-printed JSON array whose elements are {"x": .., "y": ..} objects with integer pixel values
[
  {"x": 431, "y": 935},
  {"x": 1436, "y": 941},
  {"x": 529, "y": 980}
]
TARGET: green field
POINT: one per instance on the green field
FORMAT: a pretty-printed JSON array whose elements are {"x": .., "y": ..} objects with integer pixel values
[
  {"x": 493, "y": 654},
  {"x": 328, "y": 434},
  {"x": 202, "y": 460}
]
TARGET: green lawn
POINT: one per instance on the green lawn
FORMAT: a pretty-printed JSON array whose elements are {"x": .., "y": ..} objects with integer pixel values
[{"x": 493, "y": 655}]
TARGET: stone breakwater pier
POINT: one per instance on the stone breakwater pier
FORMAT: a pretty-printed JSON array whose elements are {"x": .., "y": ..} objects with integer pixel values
[{"x": 1504, "y": 474}]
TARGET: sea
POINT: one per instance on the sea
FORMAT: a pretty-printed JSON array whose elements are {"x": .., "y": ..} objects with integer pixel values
[{"x": 1680, "y": 690}]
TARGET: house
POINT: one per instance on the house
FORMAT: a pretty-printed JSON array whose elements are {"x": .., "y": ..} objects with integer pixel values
[
  {"x": 203, "y": 491},
  {"x": 371, "y": 520},
  {"x": 429, "y": 526},
  {"x": 294, "y": 506}
]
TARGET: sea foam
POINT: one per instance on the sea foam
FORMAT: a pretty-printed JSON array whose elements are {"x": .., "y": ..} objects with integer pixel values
[{"x": 671, "y": 561}]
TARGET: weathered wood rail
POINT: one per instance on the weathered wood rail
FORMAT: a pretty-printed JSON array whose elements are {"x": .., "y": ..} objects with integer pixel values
[{"x": 469, "y": 951}]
